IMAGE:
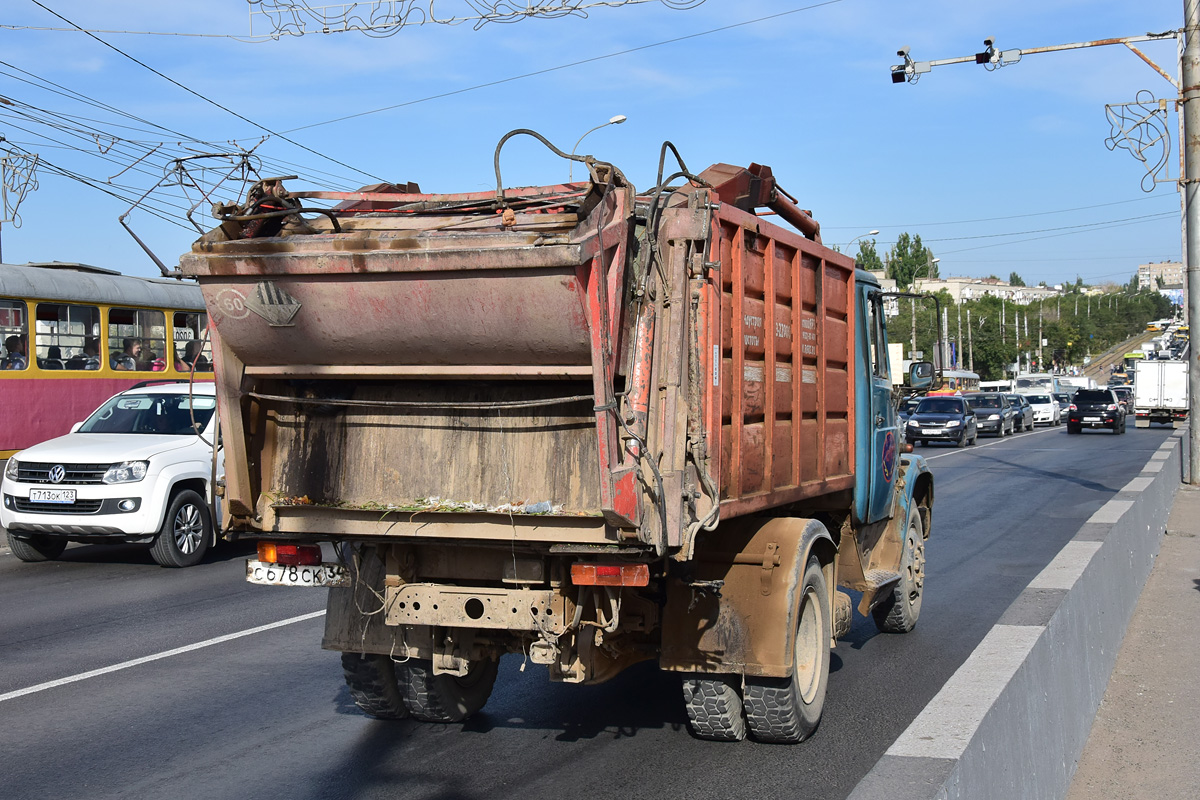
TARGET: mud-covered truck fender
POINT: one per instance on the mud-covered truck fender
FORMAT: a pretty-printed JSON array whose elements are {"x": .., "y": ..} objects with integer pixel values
[{"x": 737, "y": 610}]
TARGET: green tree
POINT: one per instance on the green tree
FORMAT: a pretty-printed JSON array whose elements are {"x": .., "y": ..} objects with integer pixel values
[
  {"x": 867, "y": 256},
  {"x": 1015, "y": 280},
  {"x": 909, "y": 259}
]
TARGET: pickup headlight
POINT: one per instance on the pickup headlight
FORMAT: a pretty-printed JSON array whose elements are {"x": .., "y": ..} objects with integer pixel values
[
  {"x": 993, "y": 416},
  {"x": 10, "y": 469},
  {"x": 952, "y": 423},
  {"x": 126, "y": 472}
]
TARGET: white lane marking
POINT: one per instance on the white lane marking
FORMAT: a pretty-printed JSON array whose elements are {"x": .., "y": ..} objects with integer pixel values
[
  {"x": 1139, "y": 484},
  {"x": 1153, "y": 466},
  {"x": 945, "y": 727},
  {"x": 83, "y": 676},
  {"x": 1111, "y": 512},
  {"x": 1067, "y": 566},
  {"x": 978, "y": 446}
]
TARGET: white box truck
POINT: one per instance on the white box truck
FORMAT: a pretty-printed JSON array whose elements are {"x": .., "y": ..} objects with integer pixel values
[{"x": 1160, "y": 392}]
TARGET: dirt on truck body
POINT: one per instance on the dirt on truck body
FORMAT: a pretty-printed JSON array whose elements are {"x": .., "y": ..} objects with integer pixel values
[{"x": 577, "y": 422}]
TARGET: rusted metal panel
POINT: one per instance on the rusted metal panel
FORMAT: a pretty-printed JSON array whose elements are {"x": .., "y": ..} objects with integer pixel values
[{"x": 735, "y": 361}]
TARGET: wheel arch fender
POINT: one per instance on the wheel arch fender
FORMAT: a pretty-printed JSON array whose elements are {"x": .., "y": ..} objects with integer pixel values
[
  {"x": 180, "y": 478},
  {"x": 749, "y": 628}
]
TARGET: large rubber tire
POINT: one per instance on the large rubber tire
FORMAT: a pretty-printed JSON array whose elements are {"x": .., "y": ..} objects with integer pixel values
[
  {"x": 714, "y": 708},
  {"x": 962, "y": 440},
  {"x": 788, "y": 710},
  {"x": 1073, "y": 428},
  {"x": 899, "y": 613},
  {"x": 185, "y": 533},
  {"x": 37, "y": 547},
  {"x": 373, "y": 686},
  {"x": 445, "y": 698}
]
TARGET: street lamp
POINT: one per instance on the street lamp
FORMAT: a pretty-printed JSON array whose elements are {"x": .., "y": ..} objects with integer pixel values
[
  {"x": 861, "y": 235},
  {"x": 617, "y": 120}
]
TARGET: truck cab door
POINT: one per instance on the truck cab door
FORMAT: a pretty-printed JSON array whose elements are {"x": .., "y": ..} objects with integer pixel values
[{"x": 884, "y": 433}]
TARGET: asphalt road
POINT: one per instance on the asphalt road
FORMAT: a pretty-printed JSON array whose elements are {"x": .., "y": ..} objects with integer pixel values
[{"x": 266, "y": 715}]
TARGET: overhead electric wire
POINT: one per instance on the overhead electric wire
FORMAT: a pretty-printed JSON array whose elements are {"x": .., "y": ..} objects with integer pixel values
[
  {"x": 547, "y": 70},
  {"x": 209, "y": 100}
]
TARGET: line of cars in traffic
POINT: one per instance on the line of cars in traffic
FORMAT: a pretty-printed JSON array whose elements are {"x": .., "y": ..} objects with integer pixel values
[{"x": 959, "y": 419}]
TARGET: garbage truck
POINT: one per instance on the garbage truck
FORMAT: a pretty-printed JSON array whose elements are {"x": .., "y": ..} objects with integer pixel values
[{"x": 578, "y": 423}]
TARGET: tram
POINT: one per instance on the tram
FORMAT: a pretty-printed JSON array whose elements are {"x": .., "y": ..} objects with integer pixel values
[{"x": 73, "y": 335}]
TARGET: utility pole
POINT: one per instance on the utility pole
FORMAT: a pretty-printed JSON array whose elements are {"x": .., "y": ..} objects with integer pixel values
[
  {"x": 970, "y": 344},
  {"x": 945, "y": 337},
  {"x": 1041, "y": 364},
  {"x": 958, "y": 340},
  {"x": 1190, "y": 74},
  {"x": 912, "y": 353}
]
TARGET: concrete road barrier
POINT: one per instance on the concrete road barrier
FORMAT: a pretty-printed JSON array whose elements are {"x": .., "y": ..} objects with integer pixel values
[{"x": 1013, "y": 720}]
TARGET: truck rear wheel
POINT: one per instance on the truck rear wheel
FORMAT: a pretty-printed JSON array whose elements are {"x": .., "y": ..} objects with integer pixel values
[
  {"x": 788, "y": 710},
  {"x": 37, "y": 548},
  {"x": 899, "y": 612},
  {"x": 714, "y": 708},
  {"x": 445, "y": 698},
  {"x": 372, "y": 682}
]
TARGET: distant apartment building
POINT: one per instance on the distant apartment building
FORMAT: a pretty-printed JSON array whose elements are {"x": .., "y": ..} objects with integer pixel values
[
  {"x": 1171, "y": 273},
  {"x": 974, "y": 288}
]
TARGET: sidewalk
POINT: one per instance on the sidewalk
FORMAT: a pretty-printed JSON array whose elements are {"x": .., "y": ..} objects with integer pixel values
[{"x": 1144, "y": 742}]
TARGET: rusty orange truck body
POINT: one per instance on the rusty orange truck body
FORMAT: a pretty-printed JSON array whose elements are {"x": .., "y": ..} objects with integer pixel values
[{"x": 576, "y": 422}]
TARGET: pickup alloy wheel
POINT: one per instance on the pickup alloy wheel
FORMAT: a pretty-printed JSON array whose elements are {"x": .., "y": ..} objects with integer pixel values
[{"x": 185, "y": 533}]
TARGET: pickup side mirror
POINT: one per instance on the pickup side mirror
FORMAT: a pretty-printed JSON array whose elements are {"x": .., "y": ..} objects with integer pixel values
[{"x": 920, "y": 374}]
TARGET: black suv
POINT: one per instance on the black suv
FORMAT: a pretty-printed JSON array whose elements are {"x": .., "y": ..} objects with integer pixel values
[{"x": 1095, "y": 408}]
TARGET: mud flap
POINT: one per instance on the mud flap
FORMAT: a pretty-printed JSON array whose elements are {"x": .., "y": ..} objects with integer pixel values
[{"x": 736, "y": 611}]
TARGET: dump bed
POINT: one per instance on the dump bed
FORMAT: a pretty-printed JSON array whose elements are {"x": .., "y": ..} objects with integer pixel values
[{"x": 560, "y": 364}]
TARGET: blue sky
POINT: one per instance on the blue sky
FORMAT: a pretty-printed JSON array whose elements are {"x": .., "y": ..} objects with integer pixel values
[{"x": 997, "y": 171}]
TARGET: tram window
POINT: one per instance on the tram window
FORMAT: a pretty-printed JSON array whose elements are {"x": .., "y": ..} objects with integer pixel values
[
  {"x": 14, "y": 335},
  {"x": 190, "y": 344},
  {"x": 137, "y": 339},
  {"x": 67, "y": 336}
]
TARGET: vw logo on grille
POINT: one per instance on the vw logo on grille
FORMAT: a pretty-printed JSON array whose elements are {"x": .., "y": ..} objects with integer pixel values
[{"x": 57, "y": 473}]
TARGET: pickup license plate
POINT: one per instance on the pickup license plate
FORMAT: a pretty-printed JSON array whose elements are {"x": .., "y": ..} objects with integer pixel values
[
  {"x": 326, "y": 574},
  {"x": 1091, "y": 419},
  {"x": 61, "y": 496}
]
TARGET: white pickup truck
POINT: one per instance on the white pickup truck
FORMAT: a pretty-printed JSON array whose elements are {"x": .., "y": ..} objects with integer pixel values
[{"x": 139, "y": 469}]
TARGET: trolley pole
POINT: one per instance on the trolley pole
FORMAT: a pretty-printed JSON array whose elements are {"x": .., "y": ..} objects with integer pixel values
[{"x": 1190, "y": 86}]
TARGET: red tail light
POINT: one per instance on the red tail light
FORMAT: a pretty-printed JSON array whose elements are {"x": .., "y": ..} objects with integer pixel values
[
  {"x": 588, "y": 574},
  {"x": 1072, "y": 407},
  {"x": 294, "y": 555},
  {"x": 1112, "y": 407}
]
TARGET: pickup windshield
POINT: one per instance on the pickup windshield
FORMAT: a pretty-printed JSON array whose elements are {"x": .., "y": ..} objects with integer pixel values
[{"x": 170, "y": 414}]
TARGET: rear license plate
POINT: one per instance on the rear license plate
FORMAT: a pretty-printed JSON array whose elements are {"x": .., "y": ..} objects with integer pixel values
[
  {"x": 1091, "y": 419},
  {"x": 61, "y": 496},
  {"x": 284, "y": 575}
]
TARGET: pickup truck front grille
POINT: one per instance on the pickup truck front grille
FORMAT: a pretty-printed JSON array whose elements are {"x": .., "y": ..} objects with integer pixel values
[
  {"x": 78, "y": 507},
  {"x": 77, "y": 474}
]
